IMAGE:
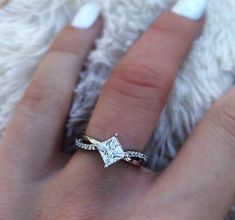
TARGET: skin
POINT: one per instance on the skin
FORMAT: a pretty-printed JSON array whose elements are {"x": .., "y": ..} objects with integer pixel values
[
  {"x": 39, "y": 182},
  {"x": 3, "y": 3}
]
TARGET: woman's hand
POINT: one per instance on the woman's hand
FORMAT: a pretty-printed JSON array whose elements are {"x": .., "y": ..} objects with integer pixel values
[{"x": 37, "y": 181}]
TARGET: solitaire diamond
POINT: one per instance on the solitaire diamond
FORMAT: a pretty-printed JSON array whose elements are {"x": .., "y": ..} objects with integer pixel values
[{"x": 111, "y": 151}]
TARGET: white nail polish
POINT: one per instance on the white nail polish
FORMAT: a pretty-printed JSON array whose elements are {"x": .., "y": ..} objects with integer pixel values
[
  {"x": 192, "y": 9},
  {"x": 87, "y": 15}
]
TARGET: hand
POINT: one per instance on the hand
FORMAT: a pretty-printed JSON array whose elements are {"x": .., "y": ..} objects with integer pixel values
[{"x": 37, "y": 181}]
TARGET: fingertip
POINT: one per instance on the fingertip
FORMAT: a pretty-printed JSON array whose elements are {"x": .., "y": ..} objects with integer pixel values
[
  {"x": 85, "y": 28},
  {"x": 177, "y": 24},
  {"x": 87, "y": 15},
  {"x": 192, "y": 10},
  {"x": 97, "y": 27},
  {"x": 190, "y": 14},
  {"x": 78, "y": 41}
]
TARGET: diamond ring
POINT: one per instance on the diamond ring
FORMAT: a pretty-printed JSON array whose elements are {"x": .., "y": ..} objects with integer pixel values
[{"x": 110, "y": 150}]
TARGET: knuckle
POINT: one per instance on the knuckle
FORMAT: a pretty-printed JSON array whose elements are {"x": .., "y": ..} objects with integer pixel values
[
  {"x": 223, "y": 115},
  {"x": 139, "y": 82},
  {"x": 42, "y": 98},
  {"x": 139, "y": 75}
]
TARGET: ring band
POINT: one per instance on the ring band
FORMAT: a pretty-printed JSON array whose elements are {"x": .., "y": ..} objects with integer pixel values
[{"x": 110, "y": 150}]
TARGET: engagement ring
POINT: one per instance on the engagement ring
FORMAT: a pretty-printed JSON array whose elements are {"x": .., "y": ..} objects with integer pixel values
[{"x": 110, "y": 150}]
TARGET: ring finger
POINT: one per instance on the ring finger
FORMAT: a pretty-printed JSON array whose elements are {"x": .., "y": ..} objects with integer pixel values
[{"x": 137, "y": 90}]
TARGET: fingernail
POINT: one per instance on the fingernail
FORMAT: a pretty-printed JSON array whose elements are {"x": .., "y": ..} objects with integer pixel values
[
  {"x": 87, "y": 15},
  {"x": 191, "y": 9}
]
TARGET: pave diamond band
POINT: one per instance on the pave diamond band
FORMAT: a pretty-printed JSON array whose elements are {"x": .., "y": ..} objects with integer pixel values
[{"x": 110, "y": 150}]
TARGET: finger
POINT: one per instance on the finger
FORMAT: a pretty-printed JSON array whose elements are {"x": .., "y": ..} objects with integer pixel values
[
  {"x": 202, "y": 176},
  {"x": 133, "y": 97},
  {"x": 3, "y": 3},
  {"x": 37, "y": 125}
]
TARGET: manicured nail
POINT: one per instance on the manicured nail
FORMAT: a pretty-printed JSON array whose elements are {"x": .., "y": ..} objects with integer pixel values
[
  {"x": 87, "y": 15},
  {"x": 192, "y": 9}
]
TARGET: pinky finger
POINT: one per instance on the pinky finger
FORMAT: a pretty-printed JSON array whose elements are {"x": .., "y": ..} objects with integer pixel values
[{"x": 202, "y": 175}]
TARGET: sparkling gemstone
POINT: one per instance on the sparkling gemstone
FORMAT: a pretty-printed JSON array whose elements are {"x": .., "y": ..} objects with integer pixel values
[{"x": 111, "y": 151}]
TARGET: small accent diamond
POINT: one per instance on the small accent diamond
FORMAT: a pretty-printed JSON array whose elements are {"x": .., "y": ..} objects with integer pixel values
[{"x": 111, "y": 151}]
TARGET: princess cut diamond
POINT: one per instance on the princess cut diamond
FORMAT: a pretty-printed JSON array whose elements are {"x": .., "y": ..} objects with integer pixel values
[{"x": 111, "y": 151}]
